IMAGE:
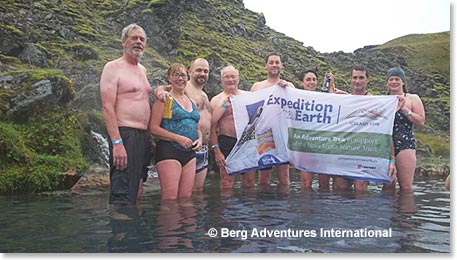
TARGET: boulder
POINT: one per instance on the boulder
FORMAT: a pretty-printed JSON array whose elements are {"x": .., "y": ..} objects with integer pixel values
[
  {"x": 43, "y": 95},
  {"x": 440, "y": 171},
  {"x": 95, "y": 179},
  {"x": 32, "y": 55},
  {"x": 69, "y": 178}
]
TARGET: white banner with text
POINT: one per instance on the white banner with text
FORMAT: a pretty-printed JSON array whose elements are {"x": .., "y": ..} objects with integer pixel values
[{"x": 343, "y": 135}]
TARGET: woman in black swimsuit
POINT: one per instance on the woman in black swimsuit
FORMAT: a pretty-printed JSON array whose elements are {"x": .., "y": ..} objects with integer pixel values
[{"x": 410, "y": 113}]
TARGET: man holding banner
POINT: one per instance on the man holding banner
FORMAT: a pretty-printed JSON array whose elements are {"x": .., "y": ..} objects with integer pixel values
[
  {"x": 223, "y": 132},
  {"x": 359, "y": 78},
  {"x": 273, "y": 65}
]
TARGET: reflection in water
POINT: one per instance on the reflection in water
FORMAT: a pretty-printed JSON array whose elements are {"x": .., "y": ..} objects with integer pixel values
[
  {"x": 406, "y": 203},
  {"x": 420, "y": 221},
  {"x": 423, "y": 219},
  {"x": 406, "y": 209},
  {"x": 175, "y": 221},
  {"x": 128, "y": 228}
]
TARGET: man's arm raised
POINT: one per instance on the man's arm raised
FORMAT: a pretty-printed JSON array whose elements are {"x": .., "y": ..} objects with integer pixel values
[{"x": 162, "y": 92}]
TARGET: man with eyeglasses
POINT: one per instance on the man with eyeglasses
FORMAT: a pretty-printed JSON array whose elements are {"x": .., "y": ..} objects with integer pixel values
[
  {"x": 223, "y": 132},
  {"x": 124, "y": 90},
  {"x": 198, "y": 76}
]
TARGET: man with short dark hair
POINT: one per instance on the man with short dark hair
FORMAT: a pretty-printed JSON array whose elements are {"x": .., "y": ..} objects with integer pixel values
[{"x": 273, "y": 65}]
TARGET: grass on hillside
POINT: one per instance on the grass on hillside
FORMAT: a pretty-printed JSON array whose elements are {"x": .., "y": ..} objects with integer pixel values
[{"x": 418, "y": 54}]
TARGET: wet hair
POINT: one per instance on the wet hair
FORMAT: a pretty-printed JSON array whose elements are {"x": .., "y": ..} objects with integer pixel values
[
  {"x": 176, "y": 68},
  {"x": 229, "y": 67},
  {"x": 128, "y": 28},
  {"x": 302, "y": 75},
  {"x": 272, "y": 54},
  {"x": 359, "y": 67}
]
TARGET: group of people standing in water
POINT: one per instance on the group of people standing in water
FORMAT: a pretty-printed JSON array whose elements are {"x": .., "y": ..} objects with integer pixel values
[{"x": 184, "y": 125}]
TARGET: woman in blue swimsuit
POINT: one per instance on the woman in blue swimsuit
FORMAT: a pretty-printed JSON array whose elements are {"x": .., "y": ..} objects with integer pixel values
[
  {"x": 410, "y": 113},
  {"x": 179, "y": 138}
]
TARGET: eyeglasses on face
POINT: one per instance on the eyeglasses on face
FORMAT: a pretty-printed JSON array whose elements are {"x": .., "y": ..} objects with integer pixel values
[{"x": 177, "y": 76}]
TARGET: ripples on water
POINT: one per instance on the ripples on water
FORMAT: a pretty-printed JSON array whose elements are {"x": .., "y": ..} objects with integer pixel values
[{"x": 59, "y": 222}]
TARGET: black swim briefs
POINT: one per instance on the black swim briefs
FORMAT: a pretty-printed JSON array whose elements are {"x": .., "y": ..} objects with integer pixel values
[{"x": 226, "y": 144}]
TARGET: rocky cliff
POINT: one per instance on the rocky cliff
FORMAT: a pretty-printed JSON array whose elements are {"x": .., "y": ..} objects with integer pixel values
[{"x": 52, "y": 53}]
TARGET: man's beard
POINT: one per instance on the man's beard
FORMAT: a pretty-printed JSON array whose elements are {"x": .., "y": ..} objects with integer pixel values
[
  {"x": 274, "y": 73},
  {"x": 201, "y": 80},
  {"x": 135, "y": 53}
]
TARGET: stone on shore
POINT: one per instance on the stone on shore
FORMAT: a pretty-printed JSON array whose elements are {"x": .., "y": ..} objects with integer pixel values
[{"x": 96, "y": 179}]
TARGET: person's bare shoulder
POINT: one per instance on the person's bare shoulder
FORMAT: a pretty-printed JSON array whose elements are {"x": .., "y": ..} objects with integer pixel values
[
  {"x": 216, "y": 98},
  {"x": 257, "y": 86},
  {"x": 111, "y": 64},
  {"x": 414, "y": 97},
  {"x": 243, "y": 91},
  {"x": 205, "y": 96},
  {"x": 142, "y": 67},
  {"x": 416, "y": 102},
  {"x": 110, "y": 72}
]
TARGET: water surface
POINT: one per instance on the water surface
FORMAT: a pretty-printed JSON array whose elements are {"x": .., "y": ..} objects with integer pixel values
[{"x": 60, "y": 222}]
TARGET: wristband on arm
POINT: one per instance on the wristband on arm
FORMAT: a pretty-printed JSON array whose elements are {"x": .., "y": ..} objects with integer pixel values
[{"x": 117, "y": 141}]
